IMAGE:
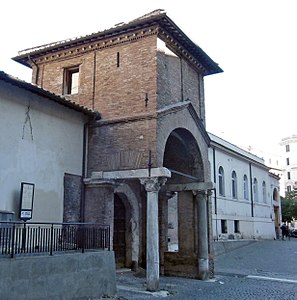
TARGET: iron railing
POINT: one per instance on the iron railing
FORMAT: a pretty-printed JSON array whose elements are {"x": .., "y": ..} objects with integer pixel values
[{"x": 25, "y": 238}]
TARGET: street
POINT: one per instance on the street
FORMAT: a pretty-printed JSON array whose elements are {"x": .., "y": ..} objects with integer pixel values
[{"x": 262, "y": 270}]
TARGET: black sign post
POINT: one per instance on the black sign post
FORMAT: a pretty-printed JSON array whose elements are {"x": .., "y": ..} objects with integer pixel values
[{"x": 26, "y": 201}]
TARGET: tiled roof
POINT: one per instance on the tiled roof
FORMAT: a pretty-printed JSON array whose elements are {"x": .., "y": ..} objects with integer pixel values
[
  {"x": 157, "y": 17},
  {"x": 49, "y": 95}
]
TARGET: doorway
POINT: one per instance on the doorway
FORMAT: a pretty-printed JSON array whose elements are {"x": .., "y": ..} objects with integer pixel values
[{"x": 119, "y": 234}]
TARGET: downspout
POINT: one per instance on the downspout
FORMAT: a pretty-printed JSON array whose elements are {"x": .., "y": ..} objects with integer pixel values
[
  {"x": 252, "y": 195},
  {"x": 37, "y": 69},
  {"x": 84, "y": 172},
  {"x": 215, "y": 190}
]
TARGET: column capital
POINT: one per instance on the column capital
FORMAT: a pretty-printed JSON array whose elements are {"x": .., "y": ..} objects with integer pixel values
[
  {"x": 153, "y": 184},
  {"x": 202, "y": 192}
]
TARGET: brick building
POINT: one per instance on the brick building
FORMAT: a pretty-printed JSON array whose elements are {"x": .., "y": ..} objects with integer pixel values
[{"x": 146, "y": 80}]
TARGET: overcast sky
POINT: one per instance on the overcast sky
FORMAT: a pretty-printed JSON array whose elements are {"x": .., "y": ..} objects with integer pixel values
[{"x": 252, "y": 103}]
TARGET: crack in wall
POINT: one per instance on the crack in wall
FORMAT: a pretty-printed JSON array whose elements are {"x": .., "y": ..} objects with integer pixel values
[{"x": 28, "y": 120}]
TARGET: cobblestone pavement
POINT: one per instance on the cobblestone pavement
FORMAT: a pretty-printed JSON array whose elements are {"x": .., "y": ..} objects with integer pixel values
[{"x": 262, "y": 270}]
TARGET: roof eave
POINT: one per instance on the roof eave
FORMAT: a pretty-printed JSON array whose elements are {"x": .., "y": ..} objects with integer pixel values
[
  {"x": 44, "y": 93},
  {"x": 161, "y": 19}
]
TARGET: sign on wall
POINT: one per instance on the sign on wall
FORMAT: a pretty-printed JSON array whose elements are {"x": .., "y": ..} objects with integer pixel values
[{"x": 27, "y": 195}]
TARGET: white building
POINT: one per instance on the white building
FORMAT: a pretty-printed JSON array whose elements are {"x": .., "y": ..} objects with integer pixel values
[
  {"x": 246, "y": 201},
  {"x": 289, "y": 152},
  {"x": 42, "y": 143}
]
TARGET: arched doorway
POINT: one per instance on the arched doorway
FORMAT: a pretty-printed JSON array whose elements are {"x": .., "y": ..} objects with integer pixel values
[
  {"x": 119, "y": 234},
  {"x": 183, "y": 158}
]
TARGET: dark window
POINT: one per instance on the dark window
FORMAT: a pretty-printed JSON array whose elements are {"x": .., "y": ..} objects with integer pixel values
[
  {"x": 245, "y": 188},
  {"x": 236, "y": 226},
  {"x": 255, "y": 190},
  {"x": 288, "y": 161},
  {"x": 118, "y": 59},
  {"x": 221, "y": 182},
  {"x": 287, "y": 148},
  {"x": 264, "y": 192},
  {"x": 71, "y": 80},
  {"x": 234, "y": 185},
  {"x": 224, "y": 226},
  {"x": 289, "y": 175}
]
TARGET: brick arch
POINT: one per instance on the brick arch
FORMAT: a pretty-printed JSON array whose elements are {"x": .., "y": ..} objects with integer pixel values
[
  {"x": 176, "y": 121},
  {"x": 182, "y": 154}
]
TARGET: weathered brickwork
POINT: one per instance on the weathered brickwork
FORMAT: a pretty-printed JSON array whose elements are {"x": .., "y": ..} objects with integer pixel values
[
  {"x": 123, "y": 145},
  {"x": 177, "y": 82},
  {"x": 114, "y": 81},
  {"x": 72, "y": 198},
  {"x": 152, "y": 109}
]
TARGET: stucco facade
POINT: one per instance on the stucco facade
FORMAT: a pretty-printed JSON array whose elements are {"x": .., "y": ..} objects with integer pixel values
[
  {"x": 289, "y": 162},
  {"x": 41, "y": 141},
  {"x": 246, "y": 201}
]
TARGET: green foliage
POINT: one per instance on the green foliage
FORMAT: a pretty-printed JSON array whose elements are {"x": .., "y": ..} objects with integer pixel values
[{"x": 289, "y": 206}]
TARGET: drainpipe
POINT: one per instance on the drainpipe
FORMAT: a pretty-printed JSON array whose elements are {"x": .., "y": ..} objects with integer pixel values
[
  {"x": 84, "y": 172},
  {"x": 215, "y": 190},
  {"x": 37, "y": 68}
]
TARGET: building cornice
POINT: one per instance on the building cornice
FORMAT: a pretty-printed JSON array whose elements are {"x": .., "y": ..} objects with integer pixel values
[{"x": 153, "y": 23}]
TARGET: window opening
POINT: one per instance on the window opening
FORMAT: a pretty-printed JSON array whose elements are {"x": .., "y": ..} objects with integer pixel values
[
  {"x": 173, "y": 224},
  {"x": 255, "y": 189},
  {"x": 245, "y": 188},
  {"x": 221, "y": 182},
  {"x": 224, "y": 226},
  {"x": 236, "y": 226},
  {"x": 118, "y": 59},
  {"x": 71, "y": 80},
  {"x": 234, "y": 185},
  {"x": 264, "y": 192}
]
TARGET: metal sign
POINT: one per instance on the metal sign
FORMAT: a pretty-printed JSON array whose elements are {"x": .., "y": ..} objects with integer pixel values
[{"x": 26, "y": 200}]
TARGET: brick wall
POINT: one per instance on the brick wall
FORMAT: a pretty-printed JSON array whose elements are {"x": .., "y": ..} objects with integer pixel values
[
  {"x": 178, "y": 81},
  {"x": 122, "y": 145},
  {"x": 112, "y": 80}
]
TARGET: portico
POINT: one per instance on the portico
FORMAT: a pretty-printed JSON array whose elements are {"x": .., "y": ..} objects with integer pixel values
[{"x": 152, "y": 180}]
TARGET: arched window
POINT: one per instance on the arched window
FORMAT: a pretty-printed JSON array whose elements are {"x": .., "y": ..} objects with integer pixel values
[
  {"x": 255, "y": 190},
  {"x": 221, "y": 182},
  {"x": 264, "y": 192},
  {"x": 234, "y": 185},
  {"x": 245, "y": 188},
  {"x": 275, "y": 195}
]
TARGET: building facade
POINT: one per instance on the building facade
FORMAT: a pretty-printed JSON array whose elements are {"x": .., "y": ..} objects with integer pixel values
[
  {"x": 41, "y": 144},
  {"x": 149, "y": 145},
  {"x": 246, "y": 200},
  {"x": 289, "y": 151}
]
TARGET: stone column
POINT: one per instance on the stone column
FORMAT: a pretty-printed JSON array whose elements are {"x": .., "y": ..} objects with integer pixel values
[
  {"x": 152, "y": 186},
  {"x": 203, "y": 262}
]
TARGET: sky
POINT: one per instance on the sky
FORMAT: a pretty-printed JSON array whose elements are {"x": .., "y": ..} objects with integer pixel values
[{"x": 251, "y": 104}]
